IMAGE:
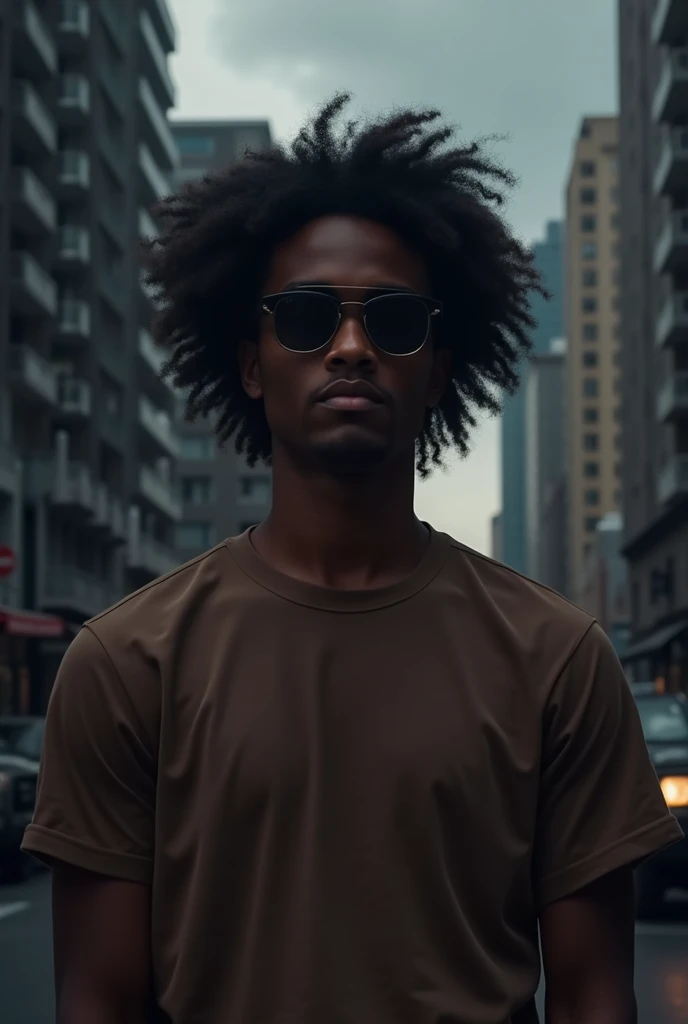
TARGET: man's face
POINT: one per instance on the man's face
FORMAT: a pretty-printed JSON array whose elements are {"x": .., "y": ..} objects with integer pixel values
[{"x": 350, "y": 258}]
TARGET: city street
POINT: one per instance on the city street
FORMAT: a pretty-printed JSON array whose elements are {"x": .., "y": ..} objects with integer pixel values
[{"x": 26, "y": 978}]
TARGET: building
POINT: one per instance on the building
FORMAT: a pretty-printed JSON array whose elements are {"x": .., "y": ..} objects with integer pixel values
[
  {"x": 548, "y": 255},
  {"x": 221, "y": 496},
  {"x": 87, "y": 443},
  {"x": 603, "y": 590},
  {"x": 554, "y": 536},
  {"x": 654, "y": 211},
  {"x": 545, "y": 449},
  {"x": 496, "y": 537},
  {"x": 592, "y": 312}
]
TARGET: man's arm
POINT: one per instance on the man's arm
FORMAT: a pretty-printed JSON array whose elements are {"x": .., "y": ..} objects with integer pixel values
[
  {"x": 588, "y": 953},
  {"x": 101, "y": 931}
]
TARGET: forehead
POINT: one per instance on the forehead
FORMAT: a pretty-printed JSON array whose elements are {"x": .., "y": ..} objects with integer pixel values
[{"x": 344, "y": 250}]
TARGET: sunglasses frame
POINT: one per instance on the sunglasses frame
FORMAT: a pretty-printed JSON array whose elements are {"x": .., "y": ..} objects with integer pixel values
[{"x": 269, "y": 305}]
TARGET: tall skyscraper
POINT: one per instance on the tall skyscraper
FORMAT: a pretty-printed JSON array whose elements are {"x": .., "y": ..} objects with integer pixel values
[
  {"x": 221, "y": 496},
  {"x": 87, "y": 445},
  {"x": 654, "y": 211},
  {"x": 545, "y": 458},
  {"x": 549, "y": 317},
  {"x": 592, "y": 332}
]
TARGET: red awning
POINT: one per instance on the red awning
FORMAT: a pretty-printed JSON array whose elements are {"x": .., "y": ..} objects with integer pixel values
[{"x": 30, "y": 624}]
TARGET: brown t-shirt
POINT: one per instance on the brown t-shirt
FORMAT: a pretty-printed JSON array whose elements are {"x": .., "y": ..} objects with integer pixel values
[{"x": 350, "y": 805}]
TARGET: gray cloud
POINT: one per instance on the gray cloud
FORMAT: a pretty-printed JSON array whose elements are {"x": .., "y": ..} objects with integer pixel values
[{"x": 529, "y": 69}]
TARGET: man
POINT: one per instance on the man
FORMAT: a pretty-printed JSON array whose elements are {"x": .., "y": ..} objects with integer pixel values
[{"x": 339, "y": 768}]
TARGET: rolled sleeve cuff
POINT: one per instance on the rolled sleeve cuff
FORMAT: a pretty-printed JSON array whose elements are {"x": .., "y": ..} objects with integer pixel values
[
  {"x": 49, "y": 846},
  {"x": 630, "y": 850}
]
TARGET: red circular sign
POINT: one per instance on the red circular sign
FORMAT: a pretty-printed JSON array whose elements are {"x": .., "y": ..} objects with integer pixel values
[{"x": 8, "y": 560}]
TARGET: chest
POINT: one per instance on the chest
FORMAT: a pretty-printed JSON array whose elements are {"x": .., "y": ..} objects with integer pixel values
[{"x": 347, "y": 712}]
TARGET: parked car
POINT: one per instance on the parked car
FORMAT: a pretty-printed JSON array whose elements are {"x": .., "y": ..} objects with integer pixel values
[
  {"x": 664, "y": 718},
  {"x": 21, "y": 741}
]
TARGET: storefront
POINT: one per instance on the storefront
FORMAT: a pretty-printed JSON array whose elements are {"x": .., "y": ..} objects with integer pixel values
[
  {"x": 30, "y": 643},
  {"x": 661, "y": 657}
]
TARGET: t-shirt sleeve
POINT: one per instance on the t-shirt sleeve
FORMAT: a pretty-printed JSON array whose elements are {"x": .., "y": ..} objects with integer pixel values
[
  {"x": 96, "y": 789},
  {"x": 600, "y": 805}
]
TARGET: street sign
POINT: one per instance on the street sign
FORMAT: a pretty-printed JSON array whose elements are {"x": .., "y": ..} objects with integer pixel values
[{"x": 8, "y": 560}]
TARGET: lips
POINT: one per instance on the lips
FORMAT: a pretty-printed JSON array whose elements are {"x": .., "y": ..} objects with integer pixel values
[{"x": 350, "y": 396}]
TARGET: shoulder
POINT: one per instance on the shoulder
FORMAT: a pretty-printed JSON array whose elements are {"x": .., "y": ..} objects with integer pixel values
[{"x": 536, "y": 628}]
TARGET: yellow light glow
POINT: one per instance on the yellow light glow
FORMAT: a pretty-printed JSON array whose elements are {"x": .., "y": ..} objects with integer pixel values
[{"x": 675, "y": 789}]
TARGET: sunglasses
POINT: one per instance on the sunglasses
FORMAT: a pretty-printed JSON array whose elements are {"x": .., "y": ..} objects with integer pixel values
[{"x": 397, "y": 323}]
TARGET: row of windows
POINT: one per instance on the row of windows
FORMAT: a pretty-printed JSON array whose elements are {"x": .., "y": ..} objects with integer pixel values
[
  {"x": 588, "y": 168},
  {"x": 591, "y": 332},
  {"x": 588, "y": 222},
  {"x": 589, "y": 251},
  {"x": 591, "y": 442},
  {"x": 589, "y": 304},
  {"x": 200, "y": 490},
  {"x": 591, "y": 470},
  {"x": 588, "y": 195}
]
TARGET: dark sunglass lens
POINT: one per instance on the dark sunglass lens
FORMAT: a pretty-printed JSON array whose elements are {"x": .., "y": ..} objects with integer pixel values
[
  {"x": 305, "y": 321},
  {"x": 397, "y": 324}
]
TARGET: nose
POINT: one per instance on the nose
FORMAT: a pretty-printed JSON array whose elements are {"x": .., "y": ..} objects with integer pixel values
[{"x": 351, "y": 345}]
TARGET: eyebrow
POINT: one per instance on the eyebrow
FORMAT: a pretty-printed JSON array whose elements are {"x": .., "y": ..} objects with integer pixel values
[{"x": 327, "y": 286}]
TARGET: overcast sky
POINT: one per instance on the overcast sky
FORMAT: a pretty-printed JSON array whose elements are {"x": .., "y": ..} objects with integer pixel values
[{"x": 524, "y": 69}]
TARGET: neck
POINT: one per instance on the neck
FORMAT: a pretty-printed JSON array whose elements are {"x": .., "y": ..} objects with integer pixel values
[{"x": 353, "y": 533}]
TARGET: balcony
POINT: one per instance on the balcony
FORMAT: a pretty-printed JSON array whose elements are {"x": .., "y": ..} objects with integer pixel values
[
  {"x": 74, "y": 25},
  {"x": 672, "y": 168},
  {"x": 75, "y": 320},
  {"x": 153, "y": 355},
  {"x": 672, "y": 325},
  {"x": 9, "y": 470},
  {"x": 164, "y": 24},
  {"x": 158, "y": 427},
  {"x": 74, "y": 174},
  {"x": 32, "y": 375},
  {"x": 33, "y": 290},
  {"x": 158, "y": 491},
  {"x": 671, "y": 251},
  {"x": 33, "y": 49},
  {"x": 670, "y": 101},
  {"x": 669, "y": 22},
  {"x": 74, "y": 488},
  {"x": 157, "y": 131},
  {"x": 79, "y": 594},
  {"x": 155, "y": 63},
  {"x": 155, "y": 184},
  {"x": 148, "y": 229},
  {"x": 33, "y": 127},
  {"x": 672, "y": 400},
  {"x": 74, "y": 396},
  {"x": 145, "y": 554},
  {"x": 33, "y": 208},
  {"x": 74, "y": 98},
  {"x": 672, "y": 484},
  {"x": 109, "y": 516},
  {"x": 74, "y": 245}
]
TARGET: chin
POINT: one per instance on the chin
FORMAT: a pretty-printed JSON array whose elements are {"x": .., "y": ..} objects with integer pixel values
[{"x": 351, "y": 457}]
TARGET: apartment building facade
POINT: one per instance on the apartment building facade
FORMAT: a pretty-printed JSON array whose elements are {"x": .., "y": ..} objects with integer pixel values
[
  {"x": 654, "y": 209},
  {"x": 87, "y": 443},
  {"x": 548, "y": 254},
  {"x": 592, "y": 316},
  {"x": 221, "y": 496}
]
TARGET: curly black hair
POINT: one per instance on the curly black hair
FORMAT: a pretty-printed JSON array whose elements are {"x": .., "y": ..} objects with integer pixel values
[{"x": 209, "y": 262}]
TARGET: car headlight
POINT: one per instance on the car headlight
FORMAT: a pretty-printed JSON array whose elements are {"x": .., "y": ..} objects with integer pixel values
[{"x": 675, "y": 790}]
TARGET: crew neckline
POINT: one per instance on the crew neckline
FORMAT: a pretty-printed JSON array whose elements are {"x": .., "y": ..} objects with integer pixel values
[{"x": 330, "y": 598}]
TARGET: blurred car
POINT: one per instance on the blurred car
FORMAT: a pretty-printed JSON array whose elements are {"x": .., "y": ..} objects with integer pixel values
[
  {"x": 664, "y": 717},
  {"x": 21, "y": 741}
]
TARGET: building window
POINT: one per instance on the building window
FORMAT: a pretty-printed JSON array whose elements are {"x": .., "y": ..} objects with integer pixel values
[
  {"x": 587, "y": 169},
  {"x": 590, "y": 415},
  {"x": 589, "y": 332},
  {"x": 589, "y": 278},
  {"x": 197, "y": 447},
  {"x": 591, "y": 470},
  {"x": 255, "y": 490},
  {"x": 588, "y": 222},
  {"x": 589, "y": 304},
  {"x": 589, "y": 250},
  {"x": 591, "y": 388},
  {"x": 197, "y": 490},
  {"x": 590, "y": 358},
  {"x": 194, "y": 536},
  {"x": 591, "y": 442},
  {"x": 588, "y": 196},
  {"x": 591, "y": 497},
  {"x": 196, "y": 145},
  {"x": 591, "y": 523}
]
